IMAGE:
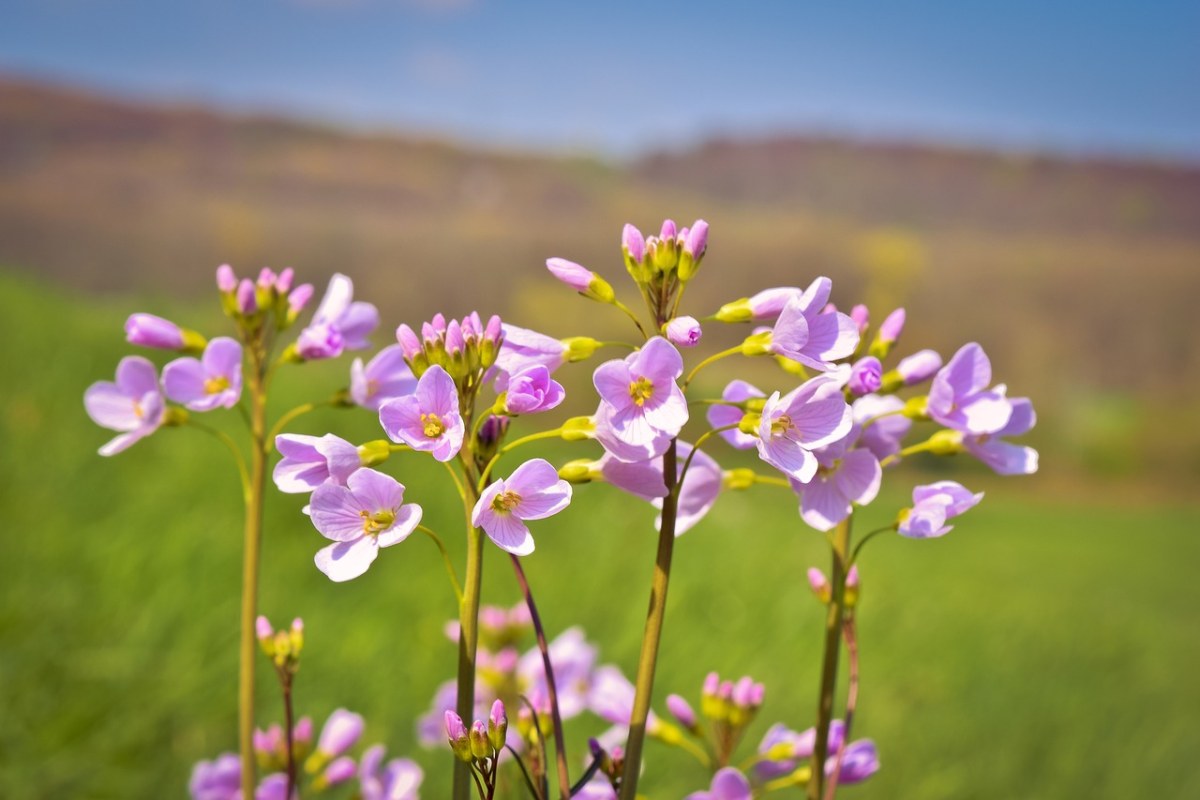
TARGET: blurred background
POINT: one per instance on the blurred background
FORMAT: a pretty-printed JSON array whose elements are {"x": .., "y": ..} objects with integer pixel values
[{"x": 1023, "y": 176}]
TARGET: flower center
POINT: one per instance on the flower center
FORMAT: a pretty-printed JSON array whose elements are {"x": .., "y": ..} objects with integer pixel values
[
  {"x": 781, "y": 425},
  {"x": 216, "y": 385},
  {"x": 641, "y": 390},
  {"x": 505, "y": 502},
  {"x": 372, "y": 388},
  {"x": 433, "y": 425},
  {"x": 138, "y": 411},
  {"x": 377, "y": 522}
]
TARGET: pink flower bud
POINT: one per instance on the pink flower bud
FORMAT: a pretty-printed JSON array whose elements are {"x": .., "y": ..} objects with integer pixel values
[
  {"x": 246, "y": 300},
  {"x": 819, "y": 584},
  {"x": 455, "y": 729},
  {"x": 262, "y": 628},
  {"x": 147, "y": 330},
  {"x": 577, "y": 277},
  {"x": 454, "y": 338},
  {"x": 472, "y": 328},
  {"x": 683, "y": 331},
  {"x": 226, "y": 279},
  {"x": 852, "y": 580},
  {"x": 758, "y": 693},
  {"x": 668, "y": 230},
  {"x": 303, "y": 732},
  {"x": 439, "y": 324},
  {"x": 430, "y": 335},
  {"x": 712, "y": 684},
  {"x": 681, "y": 710},
  {"x": 697, "y": 240},
  {"x": 918, "y": 367},
  {"x": 341, "y": 731},
  {"x": 633, "y": 242},
  {"x": 494, "y": 331},
  {"x": 742, "y": 691},
  {"x": 891, "y": 328},
  {"x": 340, "y": 771},
  {"x": 299, "y": 297},
  {"x": 266, "y": 278},
  {"x": 268, "y": 742},
  {"x": 866, "y": 376},
  {"x": 725, "y": 690},
  {"x": 283, "y": 284},
  {"x": 861, "y": 317},
  {"x": 410, "y": 345}
]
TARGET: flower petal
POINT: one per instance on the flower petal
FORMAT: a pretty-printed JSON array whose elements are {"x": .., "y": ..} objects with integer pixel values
[{"x": 347, "y": 560}]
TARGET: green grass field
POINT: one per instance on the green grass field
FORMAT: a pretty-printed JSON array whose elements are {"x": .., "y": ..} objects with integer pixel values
[{"x": 1045, "y": 649}]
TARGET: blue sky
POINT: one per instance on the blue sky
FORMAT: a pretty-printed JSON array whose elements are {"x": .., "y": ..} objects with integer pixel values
[{"x": 621, "y": 77}]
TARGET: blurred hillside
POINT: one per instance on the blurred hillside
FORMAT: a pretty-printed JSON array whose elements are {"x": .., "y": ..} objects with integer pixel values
[{"x": 1078, "y": 276}]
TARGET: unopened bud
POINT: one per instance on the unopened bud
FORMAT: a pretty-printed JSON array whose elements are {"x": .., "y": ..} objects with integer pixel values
[
  {"x": 579, "y": 347},
  {"x": 374, "y": 452},
  {"x": 681, "y": 710},
  {"x": 740, "y": 478},
  {"x": 481, "y": 748},
  {"x": 497, "y": 726},
  {"x": 819, "y": 584}
]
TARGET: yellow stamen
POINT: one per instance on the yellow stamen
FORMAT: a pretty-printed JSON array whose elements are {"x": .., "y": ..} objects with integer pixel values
[
  {"x": 641, "y": 390},
  {"x": 505, "y": 502},
  {"x": 433, "y": 425},
  {"x": 377, "y": 522},
  {"x": 216, "y": 385},
  {"x": 781, "y": 425}
]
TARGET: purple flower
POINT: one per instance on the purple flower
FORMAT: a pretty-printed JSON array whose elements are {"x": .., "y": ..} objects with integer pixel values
[
  {"x": 428, "y": 419},
  {"x": 342, "y": 730},
  {"x": 859, "y": 762},
  {"x": 866, "y": 376},
  {"x": 148, "y": 330},
  {"x": 728, "y": 784},
  {"x": 611, "y": 696},
  {"x": 532, "y": 390},
  {"x": 813, "y": 415},
  {"x": 133, "y": 405},
  {"x": 1004, "y": 457},
  {"x": 524, "y": 348},
  {"x": 919, "y": 367},
  {"x": 769, "y": 303},
  {"x": 699, "y": 490},
  {"x": 737, "y": 391},
  {"x": 683, "y": 332},
  {"x": 339, "y": 771},
  {"x": 959, "y": 397},
  {"x": 212, "y": 381},
  {"x": 338, "y": 323},
  {"x": 807, "y": 333},
  {"x": 615, "y": 444},
  {"x": 219, "y": 779},
  {"x": 886, "y": 428},
  {"x": 533, "y": 491},
  {"x": 577, "y": 277},
  {"x": 932, "y": 506},
  {"x": 385, "y": 376},
  {"x": 642, "y": 393},
  {"x": 892, "y": 326},
  {"x": 361, "y": 517},
  {"x": 399, "y": 780},
  {"x": 843, "y": 480},
  {"x": 309, "y": 461},
  {"x": 782, "y": 748}
]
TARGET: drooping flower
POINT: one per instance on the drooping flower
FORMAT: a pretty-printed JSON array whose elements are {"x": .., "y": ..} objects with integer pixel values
[
  {"x": 807, "y": 333},
  {"x": 360, "y": 517},
  {"x": 533, "y": 491},
  {"x": 309, "y": 461},
  {"x": 844, "y": 478},
  {"x": 721, "y": 416},
  {"x": 147, "y": 330},
  {"x": 810, "y": 416},
  {"x": 212, "y": 381},
  {"x": 134, "y": 405},
  {"x": 429, "y": 418},
  {"x": 933, "y": 505},
  {"x": 959, "y": 397},
  {"x": 523, "y": 348},
  {"x": 684, "y": 332},
  {"x": 338, "y": 324},
  {"x": 728, "y": 784},
  {"x": 641, "y": 390},
  {"x": 1004, "y": 457},
  {"x": 386, "y": 376},
  {"x": 533, "y": 390}
]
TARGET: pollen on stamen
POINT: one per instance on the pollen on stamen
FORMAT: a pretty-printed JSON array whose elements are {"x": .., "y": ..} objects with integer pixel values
[
  {"x": 433, "y": 425},
  {"x": 641, "y": 390},
  {"x": 505, "y": 502}
]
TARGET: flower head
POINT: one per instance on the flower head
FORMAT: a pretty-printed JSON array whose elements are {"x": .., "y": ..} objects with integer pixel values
[
  {"x": 683, "y": 332},
  {"x": 728, "y": 784},
  {"x": 641, "y": 391},
  {"x": 792, "y": 426},
  {"x": 1004, "y": 457},
  {"x": 959, "y": 397},
  {"x": 932, "y": 506},
  {"x": 133, "y": 405},
  {"x": 360, "y": 517},
  {"x": 338, "y": 324},
  {"x": 212, "y": 381},
  {"x": 721, "y": 416},
  {"x": 429, "y": 418},
  {"x": 532, "y": 390},
  {"x": 384, "y": 377},
  {"x": 309, "y": 461},
  {"x": 533, "y": 491},
  {"x": 807, "y": 333}
]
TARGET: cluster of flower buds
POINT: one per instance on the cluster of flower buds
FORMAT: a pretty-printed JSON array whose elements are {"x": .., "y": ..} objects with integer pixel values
[
  {"x": 731, "y": 703},
  {"x": 675, "y": 254},
  {"x": 283, "y": 646},
  {"x": 270, "y": 746},
  {"x": 480, "y": 745},
  {"x": 249, "y": 301},
  {"x": 824, "y": 592},
  {"x": 464, "y": 348}
]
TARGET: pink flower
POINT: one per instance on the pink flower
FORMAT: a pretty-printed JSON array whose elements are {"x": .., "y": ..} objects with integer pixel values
[
  {"x": 342, "y": 730},
  {"x": 361, "y": 517},
  {"x": 524, "y": 348},
  {"x": 813, "y": 415},
  {"x": 533, "y": 491},
  {"x": 384, "y": 377},
  {"x": 932, "y": 506},
  {"x": 309, "y": 461},
  {"x": 642, "y": 394},
  {"x": 728, "y": 784},
  {"x": 338, "y": 323},
  {"x": 683, "y": 332},
  {"x": 807, "y": 333},
  {"x": 428, "y": 419},
  {"x": 212, "y": 381},
  {"x": 720, "y": 416},
  {"x": 134, "y": 405},
  {"x": 1004, "y": 457},
  {"x": 844, "y": 479},
  {"x": 532, "y": 390},
  {"x": 959, "y": 397}
]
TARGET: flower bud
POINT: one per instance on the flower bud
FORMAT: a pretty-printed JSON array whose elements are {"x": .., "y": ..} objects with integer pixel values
[
  {"x": 227, "y": 281},
  {"x": 668, "y": 230},
  {"x": 247, "y": 300},
  {"x": 410, "y": 345},
  {"x": 861, "y": 317},
  {"x": 581, "y": 470},
  {"x": 581, "y": 279},
  {"x": 297, "y": 299},
  {"x": 266, "y": 279},
  {"x": 493, "y": 429},
  {"x": 866, "y": 376},
  {"x": 481, "y": 748},
  {"x": 342, "y": 730},
  {"x": 340, "y": 771},
  {"x": 576, "y": 429},
  {"x": 946, "y": 443},
  {"x": 819, "y": 584},
  {"x": 694, "y": 246},
  {"x": 454, "y": 339},
  {"x": 888, "y": 333},
  {"x": 683, "y": 331},
  {"x": 739, "y": 479},
  {"x": 681, "y": 710},
  {"x": 579, "y": 348},
  {"x": 456, "y": 732},
  {"x": 283, "y": 284},
  {"x": 296, "y": 635},
  {"x": 262, "y": 628},
  {"x": 497, "y": 726},
  {"x": 919, "y": 367},
  {"x": 852, "y": 587},
  {"x": 633, "y": 243},
  {"x": 374, "y": 452},
  {"x": 148, "y": 330}
]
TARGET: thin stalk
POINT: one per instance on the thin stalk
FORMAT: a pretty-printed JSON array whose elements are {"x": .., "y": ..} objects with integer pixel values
[
  {"x": 289, "y": 722},
  {"x": 733, "y": 351},
  {"x": 468, "y": 641},
  {"x": 858, "y": 548},
  {"x": 238, "y": 458},
  {"x": 772, "y": 480},
  {"x": 840, "y": 545},
  {"x": 700, "y": 442},
  {"x": 298, "y": 411},
  {"x": 525, "y": 772},
  {"x": 564, "y": 780},
  {"x": 629, "y": 313},
  {"x": 251, "y": 548},
  {"x": 652, "y": 636},
  {"x": 458, "y": 592},
  {"x": 851, "y": 637},
  {"x": 533, "y": 437}
]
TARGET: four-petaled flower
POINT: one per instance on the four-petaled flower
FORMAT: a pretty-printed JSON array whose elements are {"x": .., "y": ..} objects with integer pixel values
[
  {"x": 212, "y": 381},
  {"x": 959, "y": 397},
  {"x": 932, "y": 506},
  {"x": 808, "y": 333},
  {"x": 338, "y": 323},
  {"x": 384, "y": 377},
  {"x": 533, "y": 491},
  {"x": 360, "y": 517},
  {"x": 1004, "y": 457},
  {"x": 309, "y": 461},
  {"x": 645, "y": 401},
  {"x": 845, "y": 478},
  {"x": 429, "y": 418},
  {"x": 810, "y": 416},
  {"x": 133, "y": 405}
]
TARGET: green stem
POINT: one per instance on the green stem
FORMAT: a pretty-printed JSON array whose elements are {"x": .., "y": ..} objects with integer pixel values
[
  {"x": 772, "y": 480},
  {"x": 468, "y": 641},
  {"x": 458, "y": 592},
  {"x": 858, "y": 548},
  {"x": 289, "y": 728},
  {"x": 733, "y": 351},
  {"x": 233, "y": 448},
  {"x": 252, "y": 545},
  {"x": 298, "y": 411},
  {"x": 533, "y": 437},
  {"x": 629, "y": 313},
  {"x": 652, "y": 635},
  {"x": 840, "y": 545},
  {"x": 700, "y": 442},
  {"x": 851, "y": 637}
]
